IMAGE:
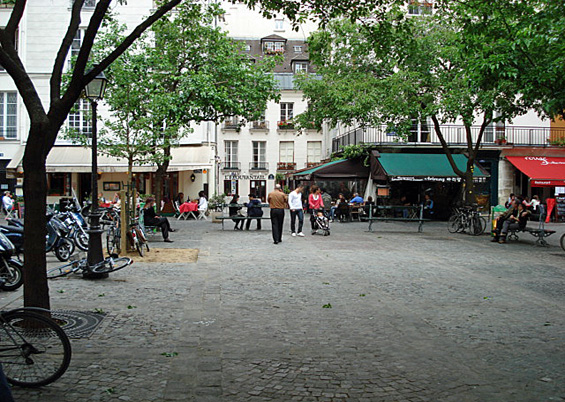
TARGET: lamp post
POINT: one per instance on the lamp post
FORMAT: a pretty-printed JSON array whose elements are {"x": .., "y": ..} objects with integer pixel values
[{"x": 94, "y": 91}]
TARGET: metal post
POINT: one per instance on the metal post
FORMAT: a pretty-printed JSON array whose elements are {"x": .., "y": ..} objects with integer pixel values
[{"x": 95, "y": 254}]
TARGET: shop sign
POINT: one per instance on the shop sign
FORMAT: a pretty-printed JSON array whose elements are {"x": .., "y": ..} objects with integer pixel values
[
  {"x": 455, "y": 179},
  {"x": 245, "y": 177}
]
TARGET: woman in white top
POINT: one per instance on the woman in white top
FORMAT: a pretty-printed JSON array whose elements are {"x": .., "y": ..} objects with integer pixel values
[{"x": 202, "y": 202}]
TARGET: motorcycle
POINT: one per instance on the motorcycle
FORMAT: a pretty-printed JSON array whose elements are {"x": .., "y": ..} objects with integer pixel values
[
  {"x": 57, "y": 239},
  {"x": 77, "y": 225},
  {"x": 11, "y": 276}
]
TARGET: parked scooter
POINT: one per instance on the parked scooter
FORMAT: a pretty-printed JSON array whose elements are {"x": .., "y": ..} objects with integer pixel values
[
  {"x": 57, "y": 239},
  {"x": 11, "y": 276}
]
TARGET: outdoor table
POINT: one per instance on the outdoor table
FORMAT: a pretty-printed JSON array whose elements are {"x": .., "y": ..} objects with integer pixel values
[{"x": 188, "y": 209}]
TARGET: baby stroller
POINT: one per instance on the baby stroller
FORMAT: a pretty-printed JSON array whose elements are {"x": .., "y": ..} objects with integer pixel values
[{"x": 321, "y": 222}]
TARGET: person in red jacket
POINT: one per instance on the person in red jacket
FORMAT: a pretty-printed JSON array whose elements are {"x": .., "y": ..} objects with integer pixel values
[{"x": 315, "y": 203}]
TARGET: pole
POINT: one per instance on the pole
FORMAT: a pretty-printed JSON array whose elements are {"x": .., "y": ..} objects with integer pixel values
[{"x": 95, "y": 254}]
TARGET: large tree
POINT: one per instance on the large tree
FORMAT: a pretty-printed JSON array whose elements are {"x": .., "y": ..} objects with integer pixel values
[
  {"x": 391, "y": 70},
  {"x": 526, "y": 43},
  {"x": 46, "y": 122}
]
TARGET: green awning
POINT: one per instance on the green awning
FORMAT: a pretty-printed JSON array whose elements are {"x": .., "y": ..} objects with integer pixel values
[
  {"x": 316, "y": 168},
  {"x": 425, "y": 167}
]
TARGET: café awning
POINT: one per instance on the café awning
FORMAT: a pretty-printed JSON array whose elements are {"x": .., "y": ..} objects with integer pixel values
[
  {"x": 338, "y": 169},
  {"x": 425, "y": 167},
  {"x": 74, "y": 159},
  {"x": 543, "y": 171}
]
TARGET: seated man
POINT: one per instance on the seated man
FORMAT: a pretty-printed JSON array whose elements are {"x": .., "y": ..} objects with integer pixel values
[
  {"x": 356, "y": 199},
  {"x": 515, "y": 218}
]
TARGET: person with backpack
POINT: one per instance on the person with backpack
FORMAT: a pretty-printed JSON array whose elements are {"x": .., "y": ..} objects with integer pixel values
[{"x": 253, "y": 211}]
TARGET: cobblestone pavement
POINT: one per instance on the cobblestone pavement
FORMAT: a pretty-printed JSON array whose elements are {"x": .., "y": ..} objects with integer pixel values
[{"x": 393, "y": 315}]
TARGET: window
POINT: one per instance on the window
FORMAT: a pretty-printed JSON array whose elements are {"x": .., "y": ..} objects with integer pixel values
[
  {"x": 259, "y": 155},
  {"x": 420, "y": 8},
  {"x": 87, "y": 3},
  {"x": 287, "y": 111},
  {"x": 75, "y": 46},
  {"x": 273, "y": 47},
  {"x": 231, "y": 187},
  {"x": 247, "y": 48},
  {"x": 58, "y": 184},
  {"x": 80, "y": 119},
  {"x": 279, "y": 25},
  {"x": 231, "y": 154},
  {"x": 300, "y": 67},
  {"x": 297, "y": 49},
  {"x": 8, "y": 115},
  {"x": 286, "y": 151},
  {"x": 314, "y": 151}
]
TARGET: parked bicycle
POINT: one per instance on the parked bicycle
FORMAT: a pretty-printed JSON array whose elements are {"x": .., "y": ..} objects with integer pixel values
[
  {"x": 467, "y": 220},
  {"x": 109, "y": 264},
  {"x": 34, "y": 349}
]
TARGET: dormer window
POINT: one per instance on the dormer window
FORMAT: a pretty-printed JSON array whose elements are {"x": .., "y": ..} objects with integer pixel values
[
  {"x": 300, "y": 67},
  {"x": 297, "y": 49},
  {"x": 273, "y": 47}
]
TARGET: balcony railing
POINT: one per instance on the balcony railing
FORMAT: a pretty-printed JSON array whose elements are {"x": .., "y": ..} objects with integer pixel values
[
  {"x": 259, "y": 166},
  {"x": 260, "y": 125},
  {"x": 286, "y": 166},
  {"x": 232, "y": 124},
  {"x": 454, "y": 135},
  {"x": 231, "y": 166}
]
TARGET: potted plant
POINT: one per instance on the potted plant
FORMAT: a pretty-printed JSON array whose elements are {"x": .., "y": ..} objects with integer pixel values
[{"x": 215, "y": 206}]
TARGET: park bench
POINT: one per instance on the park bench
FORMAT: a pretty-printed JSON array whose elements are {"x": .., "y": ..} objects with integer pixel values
[
  {"x": 540, "y": 233},
  {"x": 222, "y": 218},
  {"x": 391, "y": 208}
]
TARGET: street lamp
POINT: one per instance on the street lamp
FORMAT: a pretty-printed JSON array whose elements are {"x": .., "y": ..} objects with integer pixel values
[{"x": 94, "y": 91}]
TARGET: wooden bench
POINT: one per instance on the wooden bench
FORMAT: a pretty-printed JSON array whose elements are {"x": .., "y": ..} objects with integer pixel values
[
  {"x": 239, "y": 218},
  {"x": 419, "y": 219}
]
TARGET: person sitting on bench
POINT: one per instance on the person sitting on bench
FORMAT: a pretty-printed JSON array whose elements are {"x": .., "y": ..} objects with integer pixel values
[
  {"x": 150, "y": 218},
  {"x": 234, "y": 210},
  {"x": 515, "y": 218}
]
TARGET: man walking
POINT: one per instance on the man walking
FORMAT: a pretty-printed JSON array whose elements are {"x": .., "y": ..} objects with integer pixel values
[
  {"x": 277, "y": 202},
  {"x": 295, "y": 205}
]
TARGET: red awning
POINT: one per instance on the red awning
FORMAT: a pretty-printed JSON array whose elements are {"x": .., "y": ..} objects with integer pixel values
[{"x": 543, "y": 171}]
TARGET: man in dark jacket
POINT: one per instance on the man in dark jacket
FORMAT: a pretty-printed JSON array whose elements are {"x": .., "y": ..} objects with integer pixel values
[{"x": 253, "y": 211}]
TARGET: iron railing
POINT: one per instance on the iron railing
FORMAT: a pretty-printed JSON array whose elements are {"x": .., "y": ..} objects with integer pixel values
[
  {"x": 454, "y": 135},
  {"x": 231, "y": 166},
  {"x": 258, "y": 165}
]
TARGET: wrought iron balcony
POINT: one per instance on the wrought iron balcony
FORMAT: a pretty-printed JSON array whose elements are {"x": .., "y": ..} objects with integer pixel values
[
  {"x": 231, "y": 166},
  {"x": 455, "y": 135},
  {"x": 260, "y": 125},
  {"x": 259, "y": 166},
  {"x": 232, "y": 124},
  {"x": 286, "y": 166},
  {"x": 285, "y": 125}
]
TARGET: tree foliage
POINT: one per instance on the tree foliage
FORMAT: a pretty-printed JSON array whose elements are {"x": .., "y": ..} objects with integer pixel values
[{"x": 394, "y": 70}]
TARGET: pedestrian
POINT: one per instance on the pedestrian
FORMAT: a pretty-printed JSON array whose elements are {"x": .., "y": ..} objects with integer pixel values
[
  {"x": 202, "y": 202},
  {"x": 428, "y": 206},
  {"x": 150, "y": 218},
  {"x": 296, "y": 211},
  {"x": 254, "y": 211},
  {"x": 316, "y": 204},
  {"x": 278, "y": 201},
  {"x": 234, "y": 211},
  {"x": 7, "y": 203},
  {"x": 327, "y": 199}
]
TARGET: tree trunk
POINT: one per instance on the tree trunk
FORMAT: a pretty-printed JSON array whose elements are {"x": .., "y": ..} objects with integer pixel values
[
  {"x": 159, "y": 176},
  {"x": 36, "y": 290},
  {"x": 469, "y": 188}
]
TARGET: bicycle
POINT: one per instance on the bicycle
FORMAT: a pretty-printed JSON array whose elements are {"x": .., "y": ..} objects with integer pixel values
[
  {"x": 137, "y": 239},
  {"x": 34, "y": 349},
  {"x": 467, "y": 219},
  {"x": 109, "y": 264},
  {"x": 113, "y": 239}
]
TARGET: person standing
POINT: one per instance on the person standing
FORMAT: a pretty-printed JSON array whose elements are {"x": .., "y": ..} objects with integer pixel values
[
  {"x": 254, "y": 211},
  {"x": 316, "y": 204},
  {"x": 428, "y": 206},
  {"x": 327, "y": 199},
  {"x": 277, "y": 202},
  {"x": 7, "y": 203},
  {"x": 296, "y": 211}
]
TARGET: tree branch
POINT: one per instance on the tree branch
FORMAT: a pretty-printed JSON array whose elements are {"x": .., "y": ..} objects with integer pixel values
[
  {"x": 445, "y": 147},
  {"x": 55, "y": 82},
  {"x": 14, "y": 21}
]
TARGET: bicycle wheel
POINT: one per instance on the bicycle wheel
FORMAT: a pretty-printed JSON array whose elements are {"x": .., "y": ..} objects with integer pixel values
[
  {"x": 138, "y": 246},
  {"x": 11, "y": 273},
  {"x": 454, "y": 224},
  {"x": 480, "y": 225},
  {"x": 111, "y": 264},
  {"x": 113, "y": 241},
  {"x": 64, "y": 270},
  {"x": 562, "y": 241},
  {"x": 34, "y": 349}
]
